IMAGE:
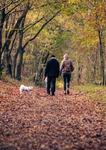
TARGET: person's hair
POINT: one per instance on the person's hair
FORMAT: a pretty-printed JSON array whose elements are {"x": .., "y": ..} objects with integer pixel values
[
  {"x": 52, "y": 55},
  {"x": 65, "y": 56}
]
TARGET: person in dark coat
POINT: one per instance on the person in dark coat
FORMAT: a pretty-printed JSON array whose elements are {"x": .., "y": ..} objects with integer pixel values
[{"x": 51, "y": 73}]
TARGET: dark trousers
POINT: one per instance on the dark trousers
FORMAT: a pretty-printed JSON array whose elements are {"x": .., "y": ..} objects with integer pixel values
[
  {"x": 51, "y": 85},
  {"x": 66, "y": 79}
]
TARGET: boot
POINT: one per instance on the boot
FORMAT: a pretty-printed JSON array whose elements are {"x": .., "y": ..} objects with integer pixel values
[
  {"x": 65, "y": 92},
  {"x": 68, "y": 91}
]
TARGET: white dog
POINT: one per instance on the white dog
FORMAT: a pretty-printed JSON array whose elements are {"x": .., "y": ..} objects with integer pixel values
[{"x": 25, "y": 88}]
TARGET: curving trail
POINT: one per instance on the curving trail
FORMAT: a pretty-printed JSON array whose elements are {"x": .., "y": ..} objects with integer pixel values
[{"x": 35, "y": 121}]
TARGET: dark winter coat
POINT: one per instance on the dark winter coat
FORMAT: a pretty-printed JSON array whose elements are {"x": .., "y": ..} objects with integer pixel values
[{"x": 52, "y": 68}]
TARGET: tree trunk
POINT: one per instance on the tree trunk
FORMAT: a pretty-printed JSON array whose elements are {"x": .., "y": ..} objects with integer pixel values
[
  {"x": 16, "y": 72},
  {"x": 95, "y": 65},
  {"x": 19, "y": 64},
  {"x": 8, "y": 42},
  {"x": 0, "y": 43},
  {"x": 20, "y": 51},
  {"x": 40, "y": 69},
  {"x": 14, "y": 63},
  {"x": 8, "y": 64},
  {"x": 2, "y": 20},
  {"x": 79, "y": 74},
  {"x": 102, "y": 57}
]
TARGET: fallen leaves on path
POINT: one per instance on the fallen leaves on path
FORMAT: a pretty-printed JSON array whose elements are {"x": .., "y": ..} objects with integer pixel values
[{"x": 35, "y": 121}]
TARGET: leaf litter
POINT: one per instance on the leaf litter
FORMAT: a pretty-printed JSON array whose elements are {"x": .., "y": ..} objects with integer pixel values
[{"x": 36, "y": 121}]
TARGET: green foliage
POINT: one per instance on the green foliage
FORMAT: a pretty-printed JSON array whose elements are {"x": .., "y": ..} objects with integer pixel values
[
  {"x": 95, "y": 92},
  {"x": 60, "y": 39},
  {"x": 74, "y": 8}
]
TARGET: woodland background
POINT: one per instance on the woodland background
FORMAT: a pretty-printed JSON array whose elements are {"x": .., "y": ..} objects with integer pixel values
[{"x": 32, "y": 30}]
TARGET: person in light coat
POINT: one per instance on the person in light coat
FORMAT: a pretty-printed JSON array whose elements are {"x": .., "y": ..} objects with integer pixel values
[{"x": 66, "y": 68}]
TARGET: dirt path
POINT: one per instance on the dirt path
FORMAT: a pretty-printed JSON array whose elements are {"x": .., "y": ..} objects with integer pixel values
[{"x": 35, "y": 121}]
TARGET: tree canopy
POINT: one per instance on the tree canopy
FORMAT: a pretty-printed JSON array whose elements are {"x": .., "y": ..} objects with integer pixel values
[{"x": 32, "y": 30}]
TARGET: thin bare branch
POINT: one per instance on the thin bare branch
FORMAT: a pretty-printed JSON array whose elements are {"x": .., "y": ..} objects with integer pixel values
[
  {"x": 42, "y": 27},
  {"x": 6, "y": 6},
  {"x": 14, "y": 7},
  {"x": 15, "y": 28},
  {"x": 32, "y": 24}
]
